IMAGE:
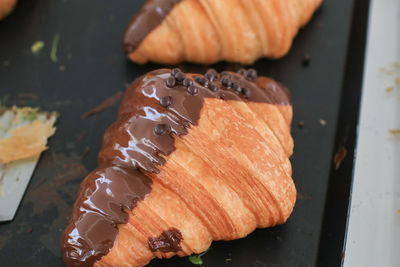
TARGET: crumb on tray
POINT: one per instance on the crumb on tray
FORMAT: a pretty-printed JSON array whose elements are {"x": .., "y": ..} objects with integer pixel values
[
  {"x": 389, "y": 89},
  {"x": 24, "y": 133},
  {"x": 306, "y": 60},
  {"x": 394, "y": 131},
  {"x": 339, "y": 157},
  {"x": 37, "y": 46},
  {"x": 322, "y": 122}
]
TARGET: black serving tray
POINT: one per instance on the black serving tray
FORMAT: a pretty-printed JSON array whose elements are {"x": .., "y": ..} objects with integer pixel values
[{"x": 91, "y": 67}]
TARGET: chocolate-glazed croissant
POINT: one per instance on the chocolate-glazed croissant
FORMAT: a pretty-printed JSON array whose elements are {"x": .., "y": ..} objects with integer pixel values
[
  {"x": 191, "y": 159},
  {"x": 207, "y": 31}
]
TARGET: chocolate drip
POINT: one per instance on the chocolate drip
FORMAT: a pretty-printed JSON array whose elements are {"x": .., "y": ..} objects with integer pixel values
[
  {"x": 157, "y": 107},
  {"x": 151, "y": 15},
  {"x": 104, "y": 195},
  {"x": 168, "y": 241}
]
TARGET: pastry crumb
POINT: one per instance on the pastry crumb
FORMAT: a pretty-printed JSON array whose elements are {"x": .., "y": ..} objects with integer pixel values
[
  {"x": 322, "y": 122},
  {"x": 62, "y": 68},
  {"x": 306, "y": 60},
  {"x": 300, "y": 124},
  {"x": 397, "y": 81},
  {"x": 394, "y": 131},
  {"x": 37, "y": 46},
  {"x": 389, "y": 89},
  {"x": 395, "y": 65},
  {"x": 386, "y": 71},
  {"x": 398, "y": 211},
  {"x": 339, "y": 157},
  {"x": 228, "y": 260}
]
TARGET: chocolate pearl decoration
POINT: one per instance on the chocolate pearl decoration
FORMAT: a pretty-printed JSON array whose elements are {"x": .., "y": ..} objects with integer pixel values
[
  {"x": 187, "y": 82},
  {"x": 180, "y": 76},
  {"x": 213, "y": 87},
  {"x": 171, "y": 82},
  {"x": 211, "y": 75},
  {"x": 193, "y": 90},
  {"x": 175, "y": 71},
  {"x": 236, "y": 87},
  {"x": 241, "y": 71},
  {"x": 201, "y": 80},
  {"x": 251, "y": 75},
  {"x": 160, "y": 129},
  {"x": 246, "y": 92},
  {"x": 166, "y": 101},
  {"x": 224, "y": 73},
  {"x": 226, "y": 82}
]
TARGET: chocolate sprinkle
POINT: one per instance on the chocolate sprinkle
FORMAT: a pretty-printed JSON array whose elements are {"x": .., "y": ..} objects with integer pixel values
[
  {"x": 180, "y": 76},
  {"x": 201, "y": 80},
  {"x": 166, "y": 101},
  {"x": 251, "y": 75},
  {"x": 160, "y": 129},
  {"x": 226, "y": 82},
  {"x": 211, "y": 75},
  {"x": 187, "y": 82},
  {"x": 236, "y": 87},
  {"x": 241, "y": 72},
  {"x": 171, "y": 82},
  {"x": 193, "y": 90},
  {"x": 174, "y": 71},
  {"x": 213, "y": 87}
]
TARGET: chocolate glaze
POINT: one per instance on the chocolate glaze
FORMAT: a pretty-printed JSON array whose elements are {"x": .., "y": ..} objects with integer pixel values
[
  {"x": 152, "y": 113},
  {"x": 168, "y": 241},
  {"x": 151, "y": 15}
]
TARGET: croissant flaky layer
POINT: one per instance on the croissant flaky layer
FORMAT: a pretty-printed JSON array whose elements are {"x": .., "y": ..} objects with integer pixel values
[
  {"x": 207, "y": 31},
  {"x": 227, "y": 174}
]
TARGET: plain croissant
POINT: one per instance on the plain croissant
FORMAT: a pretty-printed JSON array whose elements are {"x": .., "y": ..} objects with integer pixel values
[
  {"x": 191, "y": 159},
  {"x": 207, "y": 31},
  {"x": 6, "y": 6}
]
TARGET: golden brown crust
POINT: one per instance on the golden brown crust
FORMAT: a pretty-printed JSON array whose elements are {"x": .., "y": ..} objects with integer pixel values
[
  {"x": 227, "y": 176},
  {"x": 207, "y": 31},
  {"x": 6, "y": 6}
]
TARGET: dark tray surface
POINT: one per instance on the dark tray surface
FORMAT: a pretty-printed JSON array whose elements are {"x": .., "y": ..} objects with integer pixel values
[{"x": 95, "y": 68}]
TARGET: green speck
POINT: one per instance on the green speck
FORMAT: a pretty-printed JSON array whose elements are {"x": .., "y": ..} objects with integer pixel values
[
  {"x": 3, "y": 100},
  {"x": 37, "y": 46},
  {"x": 6, "y": 63},
  {"x": 54, "y": 46},
  {"x": 196, "y": 259},
  {"x": 31, "y": 116},
  {"x": 69, "y": 56}
]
